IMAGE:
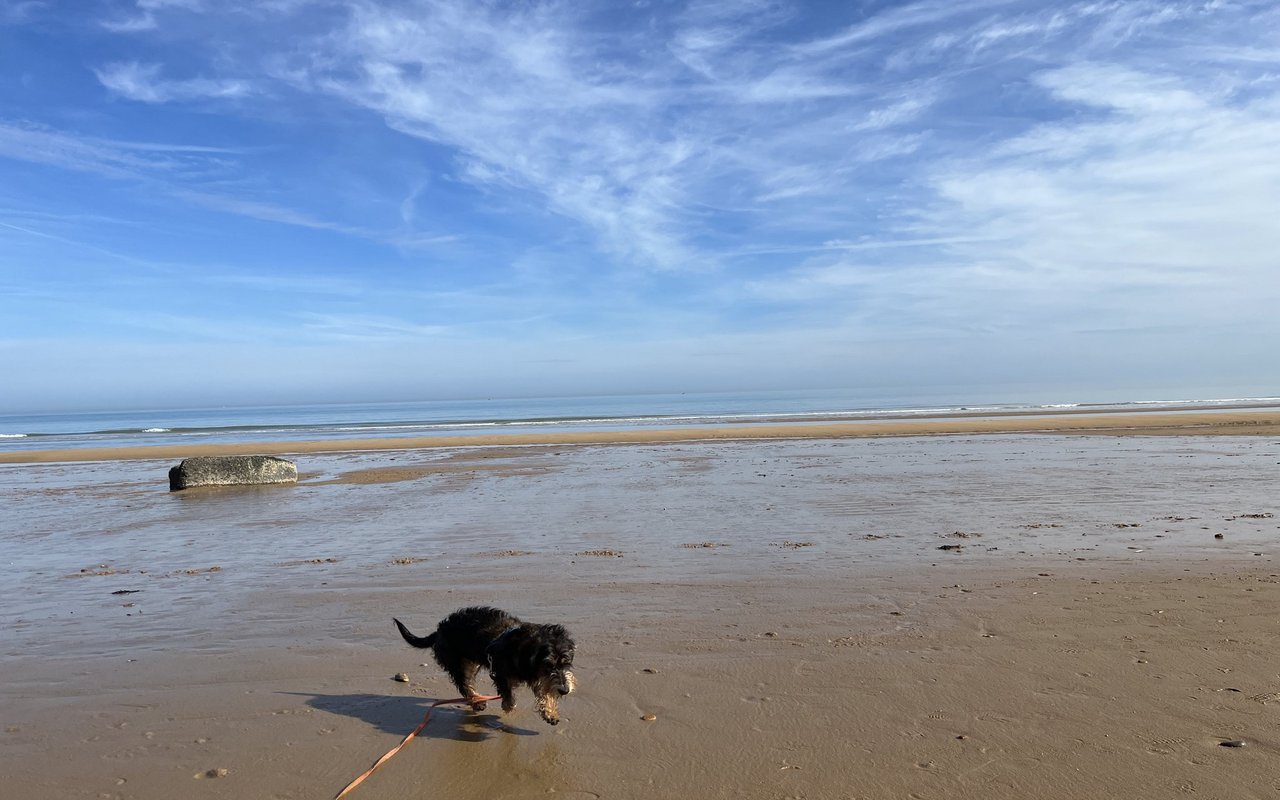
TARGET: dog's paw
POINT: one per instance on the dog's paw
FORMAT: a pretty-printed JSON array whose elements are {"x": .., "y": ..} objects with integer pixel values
[
  {"x": 479, "y": 706},
  {"x": 548, "y": 710}
]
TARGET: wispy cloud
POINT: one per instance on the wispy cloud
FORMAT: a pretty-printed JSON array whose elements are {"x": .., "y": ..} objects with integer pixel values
[
  {"x": 1173, "y": 187},
  {"x": 361, "y": 327},
  {"x": 40, "y": 144},
  {"x": 527, "y": 116},
  {"x": 632, "y": 149},
  {"x": 1168, "y": 196},
  {"x": 271, "y": 212},
  {"x": 187, "y": 172},
  {"x": 258, "y": 209},
  {"x": 14, "y": 12},
  {"x": 77, "y": 244},
  {"x": 142, "y": 82},
  {"x": 895, "y": 20},
  {"x": 144, "y": 15}
]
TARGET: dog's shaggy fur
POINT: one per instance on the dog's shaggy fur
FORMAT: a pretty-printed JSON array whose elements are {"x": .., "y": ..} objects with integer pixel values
[{"x": 514, "y": 651}]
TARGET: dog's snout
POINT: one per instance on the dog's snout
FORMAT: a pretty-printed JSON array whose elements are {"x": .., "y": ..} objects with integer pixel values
[{"x": 563, "y": 690}]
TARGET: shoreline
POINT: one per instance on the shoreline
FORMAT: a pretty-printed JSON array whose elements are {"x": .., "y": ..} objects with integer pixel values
[{"x": 1066, "y": 421}]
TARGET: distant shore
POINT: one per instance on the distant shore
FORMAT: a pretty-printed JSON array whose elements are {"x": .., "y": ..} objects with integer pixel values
[{"x": 1161, "y": 422}]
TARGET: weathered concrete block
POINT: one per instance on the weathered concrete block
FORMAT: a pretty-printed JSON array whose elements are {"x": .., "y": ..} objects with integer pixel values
[{"x": 231, "y": 471}]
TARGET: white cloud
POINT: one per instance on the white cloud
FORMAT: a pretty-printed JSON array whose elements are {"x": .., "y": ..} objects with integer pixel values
[
  {"x": 142, "y": 82},
  {"x": 133, "y": 24},
  {"x": 148, "y": 15},
  {"x": 273, "y": 212},
  {"x": 636, "y": 149},
  {"x": 1122, "y": 89},
  {"x": 912, "y": 15},
  {"x": 1142, "y": 199},
  {"x": 902, "y": 110},
  {"x": 184, "y": 172},
  {"x": 515, "y": 96},
  {"x": 160, "y": 5},
  {"x": 1161, "y": 212},
  {"x": 43, "y": 145},
  {"x": 371, "y": 328}
]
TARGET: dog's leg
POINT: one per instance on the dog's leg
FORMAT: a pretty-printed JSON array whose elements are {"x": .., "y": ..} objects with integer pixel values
[
  {"x": 464, "y": 677},
  {"x": 505, "y": 689},
  {"x": 545, "y": 702},
  {"x": 472, "y": 671}
]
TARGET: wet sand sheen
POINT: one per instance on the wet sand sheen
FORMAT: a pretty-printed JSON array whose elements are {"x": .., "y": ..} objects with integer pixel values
[{"x": 1091, "y": 638}]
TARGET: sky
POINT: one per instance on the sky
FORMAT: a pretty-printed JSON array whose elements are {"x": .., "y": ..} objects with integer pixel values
[{"x": 278, "y": 201}]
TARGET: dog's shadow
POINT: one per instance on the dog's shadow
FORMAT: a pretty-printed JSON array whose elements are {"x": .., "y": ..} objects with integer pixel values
[{"x": 399, "y": 714}]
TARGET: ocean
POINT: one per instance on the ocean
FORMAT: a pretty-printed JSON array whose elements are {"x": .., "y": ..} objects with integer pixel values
[{"x": 50, "y": 431}]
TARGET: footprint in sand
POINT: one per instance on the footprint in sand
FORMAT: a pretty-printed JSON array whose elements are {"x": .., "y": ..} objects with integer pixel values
[{"x": 1165, "y": 746}]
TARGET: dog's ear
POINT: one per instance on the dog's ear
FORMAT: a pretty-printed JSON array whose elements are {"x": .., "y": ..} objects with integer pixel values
[{"x": 563, "y": 642}]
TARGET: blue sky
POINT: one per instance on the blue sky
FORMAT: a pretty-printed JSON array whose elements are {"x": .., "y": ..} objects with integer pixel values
[{"x": 217, "y": 201}]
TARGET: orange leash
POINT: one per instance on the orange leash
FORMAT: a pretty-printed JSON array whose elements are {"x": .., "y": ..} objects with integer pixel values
[{"x": 387, "y": 756}]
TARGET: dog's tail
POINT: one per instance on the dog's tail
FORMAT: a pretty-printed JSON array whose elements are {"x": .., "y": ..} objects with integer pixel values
[{"x": 416, "y": 641}]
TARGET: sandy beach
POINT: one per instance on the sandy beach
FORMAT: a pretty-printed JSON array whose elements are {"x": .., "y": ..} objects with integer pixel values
[{"x": 1100, "y": 623}]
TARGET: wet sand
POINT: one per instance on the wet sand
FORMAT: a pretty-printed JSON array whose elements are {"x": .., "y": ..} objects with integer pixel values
[{"x": 781, "y": 606}]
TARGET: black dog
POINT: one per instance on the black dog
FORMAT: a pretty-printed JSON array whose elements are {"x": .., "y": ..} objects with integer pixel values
[{"x": 516, "y": 652}]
